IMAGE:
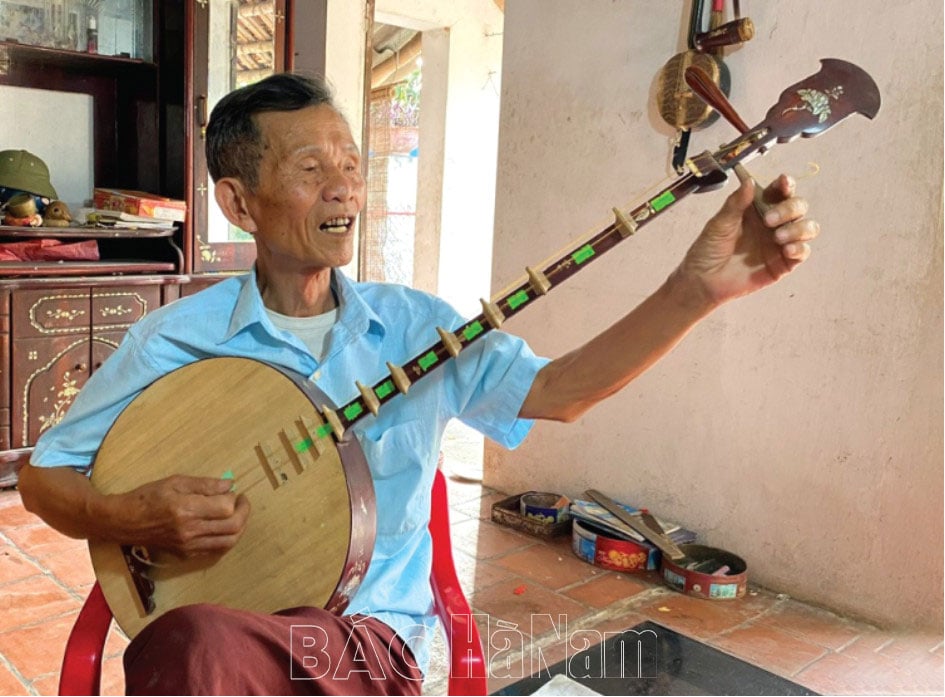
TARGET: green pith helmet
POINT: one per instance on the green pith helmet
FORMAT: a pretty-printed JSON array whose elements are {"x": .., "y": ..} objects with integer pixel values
[{"x": 23, "y": 171}]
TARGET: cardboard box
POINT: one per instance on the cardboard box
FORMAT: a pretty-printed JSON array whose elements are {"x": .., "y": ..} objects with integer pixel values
[{"x": 140, "y": 203}]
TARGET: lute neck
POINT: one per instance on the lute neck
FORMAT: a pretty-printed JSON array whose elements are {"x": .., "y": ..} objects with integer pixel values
[{"x": 704, "y": 171}]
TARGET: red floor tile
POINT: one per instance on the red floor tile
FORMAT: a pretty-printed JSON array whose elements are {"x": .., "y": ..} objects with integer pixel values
[
  {"x": 700, "y": 618},
  {"x": 841, "y": 675},
  {"x": 41, "y": 541},
  {"x": 73, "y": 568},
  {"x": 920, "y": 650},
  {"x": 32, "y": 600},
  {"x": 552, "y": 566},
  {"x": 606, "y": 588},
  {"x": 47, "y": 685},
  {"x": 43, "y": 575},
  {"x": 485, "y": 540},
  {"x": 461, "y": 491},
  {"x": 113, "y": 676},
  {"x": 10, "y": 684},
  {"x": 477, "y": 574},
  {"x": 116, "y": 642},
  {"x": 37, "y": 650},
  {"x": 529, "y": 607},
  {"x": 812, "y": 624},
  {"x": 477, "y": 508},
  {"x": 12, "y": 512},
  {"x": 770, "y": 648},
  {"x": 14, "y": 565}
]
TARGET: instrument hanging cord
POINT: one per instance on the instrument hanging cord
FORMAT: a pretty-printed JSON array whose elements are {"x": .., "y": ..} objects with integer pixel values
[{"x": 582, "y": 239}]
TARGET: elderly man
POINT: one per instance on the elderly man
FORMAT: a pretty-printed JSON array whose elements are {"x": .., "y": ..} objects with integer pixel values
[{"x": 287, "y": 171}]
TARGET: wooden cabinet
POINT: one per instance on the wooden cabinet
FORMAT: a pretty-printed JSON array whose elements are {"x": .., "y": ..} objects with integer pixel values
[
  {"x": 149, "y": 93},
  {"x": 59, "y": 335},
  {"x": 59, "y": 320}
]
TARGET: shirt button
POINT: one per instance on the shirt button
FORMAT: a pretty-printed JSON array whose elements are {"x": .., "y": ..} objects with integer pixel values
[{"x": 317, "y": 375}]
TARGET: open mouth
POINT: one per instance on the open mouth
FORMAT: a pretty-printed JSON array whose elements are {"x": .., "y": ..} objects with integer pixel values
[{"x": 337, "y": 226}]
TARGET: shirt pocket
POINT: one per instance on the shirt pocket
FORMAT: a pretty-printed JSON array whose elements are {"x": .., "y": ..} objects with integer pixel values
[{"x": 402, "y": 463}]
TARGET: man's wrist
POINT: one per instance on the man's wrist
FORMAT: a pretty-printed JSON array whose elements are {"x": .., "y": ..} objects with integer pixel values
[{"x": 689, "y": 293}]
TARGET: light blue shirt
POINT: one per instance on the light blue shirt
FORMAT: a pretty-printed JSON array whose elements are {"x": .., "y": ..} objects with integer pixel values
[{"x": 484, "y": 387}]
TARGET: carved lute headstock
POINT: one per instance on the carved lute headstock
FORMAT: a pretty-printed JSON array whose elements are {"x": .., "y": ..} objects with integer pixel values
[{"x": 808, "y": 108}]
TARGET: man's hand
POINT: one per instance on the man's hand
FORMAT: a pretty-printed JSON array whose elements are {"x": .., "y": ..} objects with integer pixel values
[
  {"x": 188, "y": 516},
  {"x": 738, "y": 253}
]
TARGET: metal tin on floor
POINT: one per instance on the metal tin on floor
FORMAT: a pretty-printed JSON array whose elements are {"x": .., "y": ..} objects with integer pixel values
[
  {"x": 593, "y": 545},
  {"x": 706, "y": 572},
  {"x": 545, "y": 507}
]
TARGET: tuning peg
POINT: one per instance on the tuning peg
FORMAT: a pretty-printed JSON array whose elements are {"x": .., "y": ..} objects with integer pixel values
[{"x": 703, "y": 85}]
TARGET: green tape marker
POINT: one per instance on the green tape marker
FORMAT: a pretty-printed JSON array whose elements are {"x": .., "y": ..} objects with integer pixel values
[
  {"x": 661, "y": 201},
  {"x": 229, "y": 475},
  {"x": 353, "y": 410},
  {"x": 519, "y": 299},
  {"x": 583, "y": 254},
  {"x": 472, "y": 331},
  {"x": 304, "y": 445},
  {"x": 384, "y": 389},
  {"x": 428, "y": 360},
  {"x": 323, "y": 430}
]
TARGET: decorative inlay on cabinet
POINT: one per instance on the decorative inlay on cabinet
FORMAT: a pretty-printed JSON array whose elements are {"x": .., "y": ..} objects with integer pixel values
[
  {"x": 50, "y": 312},
  {"x": 119, "y": 308},
  {"x": 57, "y": 337},
  {"x": 43, "y": 393}
]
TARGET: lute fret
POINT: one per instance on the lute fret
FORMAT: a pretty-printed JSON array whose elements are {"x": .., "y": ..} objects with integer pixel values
[{"x": 707, "y": 173}]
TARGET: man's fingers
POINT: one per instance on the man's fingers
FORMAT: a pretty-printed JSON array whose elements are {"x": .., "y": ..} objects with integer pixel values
[
  {"x": 211, "y": 544},
  {"x": 796, "y": 251},
  {"x": 230, "y": 525},
  {"x": 798, "y": 231},
  {"x": 790, "y": 209},
  {"x": 781, "y": 188},
  {"x": 206, "y": 486},
  {"x": 219, "y": 534}
]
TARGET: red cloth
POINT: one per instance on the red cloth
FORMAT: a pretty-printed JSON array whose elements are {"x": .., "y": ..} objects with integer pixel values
[
  {"x": 49, "y": 250},
  {"x": 212, "y": 650}
]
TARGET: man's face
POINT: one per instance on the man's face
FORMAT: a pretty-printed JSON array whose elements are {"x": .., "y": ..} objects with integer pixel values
[{"x": 310, "y": 190}]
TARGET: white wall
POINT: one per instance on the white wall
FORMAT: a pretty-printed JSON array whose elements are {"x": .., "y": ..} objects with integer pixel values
[
  {"x": 71, "y": 160},
  {"x": 470, "y": 134},
  {"x": 801, "y": 427}
]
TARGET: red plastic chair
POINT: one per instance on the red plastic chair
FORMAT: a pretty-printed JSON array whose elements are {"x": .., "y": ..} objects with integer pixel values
[{"x": 82, "y": 664}]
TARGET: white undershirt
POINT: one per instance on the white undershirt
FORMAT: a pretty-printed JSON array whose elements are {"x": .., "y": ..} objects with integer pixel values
[{"x": 313, "y": 331}]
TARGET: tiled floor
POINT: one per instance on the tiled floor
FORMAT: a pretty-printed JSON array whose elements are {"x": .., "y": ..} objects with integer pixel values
[{"x": 509, "y": 578}]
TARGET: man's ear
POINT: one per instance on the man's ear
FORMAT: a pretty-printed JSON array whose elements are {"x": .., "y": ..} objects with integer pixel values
[{"x": 230, "y": 194}]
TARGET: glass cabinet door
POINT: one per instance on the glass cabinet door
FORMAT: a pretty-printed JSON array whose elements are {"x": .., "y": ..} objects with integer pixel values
[{"x": 236, "y": 42}]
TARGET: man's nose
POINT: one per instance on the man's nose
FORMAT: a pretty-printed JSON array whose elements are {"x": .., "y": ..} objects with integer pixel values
[{"x": 338, "y": 187}]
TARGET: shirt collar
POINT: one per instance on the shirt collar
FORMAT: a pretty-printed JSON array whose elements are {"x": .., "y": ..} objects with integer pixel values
[{"x": 354, "y": 314}]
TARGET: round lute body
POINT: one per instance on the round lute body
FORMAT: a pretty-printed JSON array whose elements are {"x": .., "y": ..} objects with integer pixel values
[{"x": 310, "y": 533}]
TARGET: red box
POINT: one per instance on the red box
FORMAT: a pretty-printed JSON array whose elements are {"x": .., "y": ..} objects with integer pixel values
[{"x": 140, "y": 203}]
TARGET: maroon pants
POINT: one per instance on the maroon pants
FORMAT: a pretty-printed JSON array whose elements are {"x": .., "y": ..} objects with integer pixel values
[{"x": 213, "y": 650}]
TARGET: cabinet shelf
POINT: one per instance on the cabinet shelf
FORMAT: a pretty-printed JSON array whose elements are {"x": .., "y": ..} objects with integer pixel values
[
  {"x": 84, "y": 233},
  {"x": 83, "y": 268},
  {"x": 27, "y": 54}
]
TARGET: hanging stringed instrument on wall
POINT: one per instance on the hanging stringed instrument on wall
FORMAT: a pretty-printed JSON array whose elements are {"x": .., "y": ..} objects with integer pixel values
[
  {"x": 309, "y": 538},
  {"x": 678, "y": 105}
]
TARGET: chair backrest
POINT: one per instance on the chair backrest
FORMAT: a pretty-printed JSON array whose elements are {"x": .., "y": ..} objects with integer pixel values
[{"x": 82, "y": 664}]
